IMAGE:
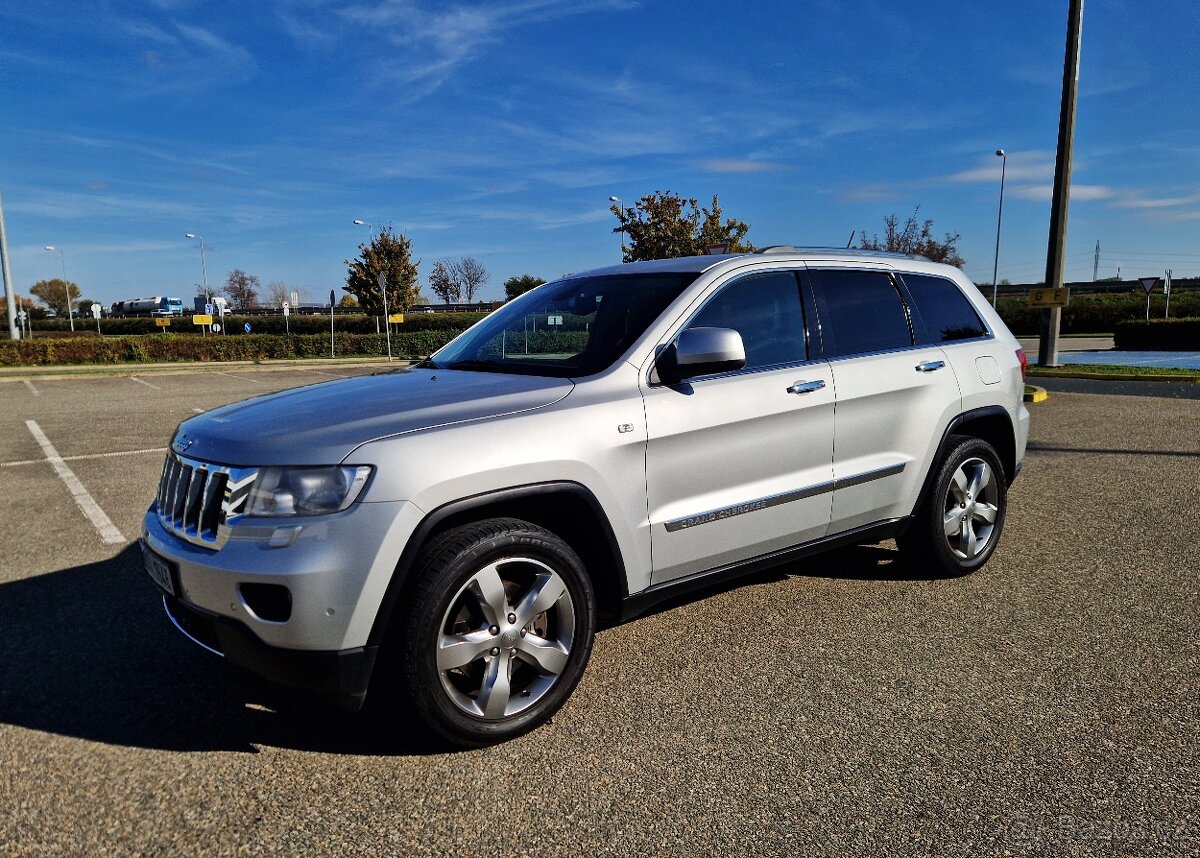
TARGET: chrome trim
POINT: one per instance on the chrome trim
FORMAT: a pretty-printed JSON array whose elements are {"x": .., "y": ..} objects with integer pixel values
[
  {"x": 198, "y": 501},
  {"x": 785, "y": 497},
  {"x": 185, "y": 633},
  {"x": 930, "y": 365},
  {"x": 806, "y": 386}
]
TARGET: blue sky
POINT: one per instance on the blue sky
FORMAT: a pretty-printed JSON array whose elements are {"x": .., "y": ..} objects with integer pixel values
[{"x": 499, "y": 130}]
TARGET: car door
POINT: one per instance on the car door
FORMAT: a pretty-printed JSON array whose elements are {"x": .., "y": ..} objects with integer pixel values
[
  {"x": 894, "y": 397},
  {"x": 739, "y": 464}
]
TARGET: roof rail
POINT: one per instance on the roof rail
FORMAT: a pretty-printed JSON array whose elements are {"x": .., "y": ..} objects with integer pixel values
[{"x": 842, "y": 251}]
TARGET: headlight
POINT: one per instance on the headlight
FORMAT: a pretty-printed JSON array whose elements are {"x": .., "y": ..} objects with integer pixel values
[{"x": 305, "y": 491}]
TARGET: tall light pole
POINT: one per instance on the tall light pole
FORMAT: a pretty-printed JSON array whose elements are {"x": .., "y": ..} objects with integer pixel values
[
  {"x": 10, "y": 298},
  {"x": 203, "y": 267},
  {"x": 999, "y": 214},
  {"x": 620, "y": 202},
  {"x": 66, "y": 283}
]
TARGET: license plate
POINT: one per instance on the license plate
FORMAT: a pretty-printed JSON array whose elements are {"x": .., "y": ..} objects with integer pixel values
[{"x": 160, "y": 571}]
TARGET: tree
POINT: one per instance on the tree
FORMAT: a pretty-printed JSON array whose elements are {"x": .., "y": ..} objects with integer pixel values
[
  {"x": 241, "y": 289},
  {"x": 389, "y": 253},
  {"x": 277, "y": 293},
  {"x": 663, "y": 225},
  {"x": 84, "y": 307},
  {"x": 348, "y": 301},
  {"x": 53, "y": 293},
  {"x": 520, "y": 284},
  {"x": 914, "y": 238},
  {"x": 457, "y": 280}
]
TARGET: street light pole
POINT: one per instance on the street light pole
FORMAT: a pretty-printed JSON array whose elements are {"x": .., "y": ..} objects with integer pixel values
[
  {"x": 370, "y": 238},
  {"x": 10, "y": 297},
  {"x": 620, "y": 202},
  {"x": 999, "y": 214},
  {"x": 203, "y": 267},
  {"x": 66, "y": 283}
]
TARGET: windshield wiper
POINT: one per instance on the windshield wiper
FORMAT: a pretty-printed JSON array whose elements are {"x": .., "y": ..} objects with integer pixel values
[
  {"x": 480, "y": 364},
  {"x": 426, "y": 364}
]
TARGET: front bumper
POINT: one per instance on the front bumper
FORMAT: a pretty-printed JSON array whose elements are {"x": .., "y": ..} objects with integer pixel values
[
  {"x": 343, "y": 674},
  {"x": 335, "y": 570}
]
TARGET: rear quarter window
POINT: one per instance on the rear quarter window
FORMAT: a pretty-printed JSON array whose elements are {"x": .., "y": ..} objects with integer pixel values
[{"x": 943, "y": 314}]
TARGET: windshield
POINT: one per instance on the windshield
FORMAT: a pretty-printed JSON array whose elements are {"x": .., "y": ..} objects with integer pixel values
[{"x": 568, "y": 328}]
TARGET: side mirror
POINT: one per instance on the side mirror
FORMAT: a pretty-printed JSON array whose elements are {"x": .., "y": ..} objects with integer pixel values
[{"x": 701, "y": 351}]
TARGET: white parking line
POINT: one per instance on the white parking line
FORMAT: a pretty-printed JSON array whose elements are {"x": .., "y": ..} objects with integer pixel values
[
  {"x": 85, "y": 456},
  {"x": 198, "y": 410},
  {"x": 109, "y": 534},
  {"x": 32, "y": 389},
  {"x": 242, "y": 377},
  {"x": 322, "y": 372},
  {"x": 143, "y": 381}
]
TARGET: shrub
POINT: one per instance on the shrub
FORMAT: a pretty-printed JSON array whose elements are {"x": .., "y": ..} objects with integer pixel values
[
  {"x": 1159, "y": 335},
  {"x": 1091, "y": 314},
  {"x": 155, "y": 348}
]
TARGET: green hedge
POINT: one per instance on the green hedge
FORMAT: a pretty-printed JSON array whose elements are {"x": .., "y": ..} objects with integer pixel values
[
  {"x": 171, "y": 347},
  {"x": 357, "y": 323},
  {"x": 1159, "y": 335},
  {"x": 1094, "y": 314}
]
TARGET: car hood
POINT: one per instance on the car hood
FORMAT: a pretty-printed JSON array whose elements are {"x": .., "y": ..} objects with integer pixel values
[{"x": 321, "y": 424}]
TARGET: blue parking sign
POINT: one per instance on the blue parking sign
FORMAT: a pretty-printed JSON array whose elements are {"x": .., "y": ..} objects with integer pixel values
[{"x": 247, "y": 327}]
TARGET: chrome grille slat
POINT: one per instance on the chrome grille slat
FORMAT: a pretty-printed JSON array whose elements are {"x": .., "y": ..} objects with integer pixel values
[{"x": 196, "y": 500}]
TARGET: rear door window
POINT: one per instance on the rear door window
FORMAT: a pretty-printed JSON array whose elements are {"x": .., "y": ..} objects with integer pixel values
[
  {"x": 943, "y": 313},
  {"x": 860, "y": 311}
]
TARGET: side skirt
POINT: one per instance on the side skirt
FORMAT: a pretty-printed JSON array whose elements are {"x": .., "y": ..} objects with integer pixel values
[{"x": 638, "y": 603}]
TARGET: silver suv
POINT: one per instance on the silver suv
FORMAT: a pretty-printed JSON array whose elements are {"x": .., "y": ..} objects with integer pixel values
[{"x": 449, "y": 536}]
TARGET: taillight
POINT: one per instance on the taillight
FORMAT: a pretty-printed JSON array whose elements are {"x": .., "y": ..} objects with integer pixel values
[{"x": 1024, "y": 362}]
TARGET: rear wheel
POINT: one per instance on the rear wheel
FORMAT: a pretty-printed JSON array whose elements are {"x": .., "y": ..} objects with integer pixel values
[
  {"x": 959, "y": 525},
  {"x": 497, "y": 631}
]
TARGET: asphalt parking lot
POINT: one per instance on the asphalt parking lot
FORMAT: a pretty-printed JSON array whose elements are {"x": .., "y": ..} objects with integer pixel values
[{"x": 848, "y": 705}]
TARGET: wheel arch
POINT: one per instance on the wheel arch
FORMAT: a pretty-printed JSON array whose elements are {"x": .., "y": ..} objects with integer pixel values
[
  {"x": 992, "y": 424},
  {"x": 567, "y": 509}
]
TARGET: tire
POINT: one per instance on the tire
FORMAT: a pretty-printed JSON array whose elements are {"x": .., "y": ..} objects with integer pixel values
[
  {"x": 495, "y": 633},
  {"x": 957, "y": 528}
]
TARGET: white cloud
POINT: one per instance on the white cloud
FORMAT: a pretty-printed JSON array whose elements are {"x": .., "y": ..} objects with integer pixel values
[
  {"x": 738, "y": 165},
  {"x": 1081, "y": 193}
]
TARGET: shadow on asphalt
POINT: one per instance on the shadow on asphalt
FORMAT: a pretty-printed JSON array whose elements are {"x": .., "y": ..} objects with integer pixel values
[
  {"x": 88, "y": 652},
  {"x": 854, "y": 563}
]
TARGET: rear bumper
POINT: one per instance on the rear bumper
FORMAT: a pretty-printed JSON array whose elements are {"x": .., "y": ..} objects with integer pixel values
[{"x": 342, "y": 674}]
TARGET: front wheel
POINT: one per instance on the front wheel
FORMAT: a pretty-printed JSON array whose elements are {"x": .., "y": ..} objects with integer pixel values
[
  {"x": 497, "y": 631},
  {"x": 958, "y": 526}
]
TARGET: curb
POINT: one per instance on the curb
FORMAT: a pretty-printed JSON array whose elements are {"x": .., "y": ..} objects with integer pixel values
[
  {"x": 1033, "y": 393},
  {"x": 76, "y": 371},
  {"x": 1113, "y": 376}
]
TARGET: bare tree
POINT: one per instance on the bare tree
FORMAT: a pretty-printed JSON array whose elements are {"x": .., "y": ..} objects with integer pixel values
[
  {"x": 471, "y": 276},
  {"x": 276, "y": 293},
  {"x": 241, "y": 289}
]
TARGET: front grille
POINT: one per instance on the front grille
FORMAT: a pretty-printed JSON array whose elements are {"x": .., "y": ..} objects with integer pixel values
[{"x": 197, "y": 501}]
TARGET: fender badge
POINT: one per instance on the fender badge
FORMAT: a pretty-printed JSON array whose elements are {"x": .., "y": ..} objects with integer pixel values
[{"x": 625, "y": 427}]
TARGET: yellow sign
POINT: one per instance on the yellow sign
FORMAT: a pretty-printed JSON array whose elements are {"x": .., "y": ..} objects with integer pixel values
[
  {"x": 201, "y": 319},
  {"x": 396, "y": 318},
  {"x": 1049, "y": 297},
  {"x": 162, "y": 323}
]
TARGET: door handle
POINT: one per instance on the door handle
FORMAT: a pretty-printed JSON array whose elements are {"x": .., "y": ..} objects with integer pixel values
[
  {"x": 806, "y": 386},
  {"x": 930, "y": 365}
]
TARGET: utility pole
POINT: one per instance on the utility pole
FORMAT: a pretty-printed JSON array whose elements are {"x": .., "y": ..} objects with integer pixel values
[
  {"x": 9, "y": 290},
  {"x": 1055, "y": 252},
  {"x": 1096, "y": 263}
]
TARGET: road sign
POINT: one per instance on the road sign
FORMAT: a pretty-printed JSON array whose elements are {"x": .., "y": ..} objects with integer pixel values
[
  {"x": 286, "y": 308},
  {"x": 21, "y": 314},
  {"x": 1049, "y": 297},
  {"x": 208, "y": 309},
  {"x": 246, "y": 327},
  {"x": 216, "y": 328},
  {"x": 712, "y": 249},
  {"x": 198, "y": 319},
  {"x": 1148, "y": 283},
  {"x": 95, "y": 311},
  {"x": 164, "y": 322},
  {"x": 396, "y": 318},
  {"x": 554, "y": 320}
]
